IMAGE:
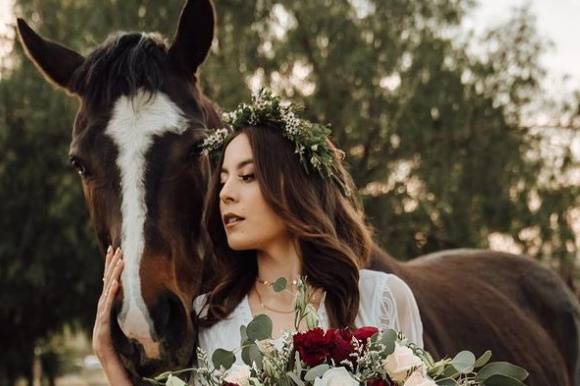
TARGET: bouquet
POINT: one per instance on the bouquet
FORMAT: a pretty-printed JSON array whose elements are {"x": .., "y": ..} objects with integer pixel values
[{"x": 364, "y": 356}]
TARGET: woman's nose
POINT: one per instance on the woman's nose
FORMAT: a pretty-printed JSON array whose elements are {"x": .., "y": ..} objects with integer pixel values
[{"x": 227, "y": 193}]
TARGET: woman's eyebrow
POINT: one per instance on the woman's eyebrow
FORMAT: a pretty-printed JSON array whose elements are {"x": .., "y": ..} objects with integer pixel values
[{"x": 240, "y": 165}]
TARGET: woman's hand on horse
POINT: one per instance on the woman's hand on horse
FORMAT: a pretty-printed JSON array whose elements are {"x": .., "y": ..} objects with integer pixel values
[{"x": 102, "y": 341}]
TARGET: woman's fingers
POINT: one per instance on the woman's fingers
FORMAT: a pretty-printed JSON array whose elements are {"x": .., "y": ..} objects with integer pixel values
[
  {"x": 102, "y": 342},
  {"x": 111, "y": 261},
  {"x": 109, "y": 294},
  {"x": 114, "y": 260},
  {"x": 108, "y": 258}
]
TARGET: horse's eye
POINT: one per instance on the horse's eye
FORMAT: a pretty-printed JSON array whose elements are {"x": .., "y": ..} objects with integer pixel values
[{"x": 79, "y": 167}]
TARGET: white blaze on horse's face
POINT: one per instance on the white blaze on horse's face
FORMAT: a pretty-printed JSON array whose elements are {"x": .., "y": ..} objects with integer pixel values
[{"x": 134, "y": 124}]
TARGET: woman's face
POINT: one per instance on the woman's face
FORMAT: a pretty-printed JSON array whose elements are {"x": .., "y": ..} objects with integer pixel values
[{"x": 248, "y": 221}]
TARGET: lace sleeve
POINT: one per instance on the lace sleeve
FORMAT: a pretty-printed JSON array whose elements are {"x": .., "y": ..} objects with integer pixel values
[{"x": 399, "y": 310}]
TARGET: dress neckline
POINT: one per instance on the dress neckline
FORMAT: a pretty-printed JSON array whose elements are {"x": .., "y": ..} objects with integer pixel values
[{"x": 321, "y": 311}]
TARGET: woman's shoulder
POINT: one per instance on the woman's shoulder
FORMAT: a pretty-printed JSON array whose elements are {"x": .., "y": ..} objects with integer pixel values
[
  {"x": 379, "y": 283},
  {"x": 370, "y": 278}
]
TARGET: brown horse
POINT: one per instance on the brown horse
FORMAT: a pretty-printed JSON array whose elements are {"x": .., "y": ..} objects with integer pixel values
[
  {"x": 134, "y": 140},
  {"x": 134, "y": 143}
]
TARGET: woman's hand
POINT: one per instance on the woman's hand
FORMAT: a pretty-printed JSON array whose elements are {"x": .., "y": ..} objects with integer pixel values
[{"x": 102, "y": 341}]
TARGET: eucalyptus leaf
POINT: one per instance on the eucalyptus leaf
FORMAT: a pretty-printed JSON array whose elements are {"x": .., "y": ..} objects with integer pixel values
[
  {"x": 243, "y": 334},
  {"x": 280, "y": 284},
  {"x": 315, "y": 372},
  {"x": 260, "y": 328},
  {"x": 502, "y": 380},
  {"x": 464, "y": 362},
  {"x": 502, "y": 368},
  {"x": 223, "y": 358},
  {"x": 246, "y": 355},
  {"x": 483, "y": 359},
  {"x": 388, "y": 339},
  {"x": 255, "y": 355},
  {"x": 450, "y": 372}
]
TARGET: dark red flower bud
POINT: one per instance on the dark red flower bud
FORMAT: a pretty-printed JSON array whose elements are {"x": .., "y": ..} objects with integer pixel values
[{"x": 312, "y": 345}]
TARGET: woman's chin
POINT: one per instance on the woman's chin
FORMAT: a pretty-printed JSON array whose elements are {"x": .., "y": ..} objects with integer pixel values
[{"x": 240, "y": 244}]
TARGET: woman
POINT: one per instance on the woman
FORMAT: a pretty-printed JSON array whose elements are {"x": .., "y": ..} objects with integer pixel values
[{"x": 280, "y": 205}]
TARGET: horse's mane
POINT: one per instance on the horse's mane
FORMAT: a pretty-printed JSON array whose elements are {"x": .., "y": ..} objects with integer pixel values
[{"x": 122, "y": 64}]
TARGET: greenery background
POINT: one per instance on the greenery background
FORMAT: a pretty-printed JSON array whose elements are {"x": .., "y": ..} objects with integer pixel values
[{"x": 437, "y": 137}]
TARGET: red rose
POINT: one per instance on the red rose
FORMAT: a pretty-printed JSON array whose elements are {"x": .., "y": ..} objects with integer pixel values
[
  {"x": 230, "y": 384},
  {"x": 379, "y": 382},
  {"x": 364, "y": 333},
  {"x": 312, "y": 346},
  {"x": 340, "y": 346}
]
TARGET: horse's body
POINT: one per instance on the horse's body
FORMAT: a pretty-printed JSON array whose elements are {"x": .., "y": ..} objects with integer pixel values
[
  {"x": 133, "y": 143},
  {"x": 479, "y": 300}
]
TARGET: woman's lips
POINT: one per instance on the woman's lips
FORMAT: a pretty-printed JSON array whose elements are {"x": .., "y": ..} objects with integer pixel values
[{"x": 232, "y": 220}]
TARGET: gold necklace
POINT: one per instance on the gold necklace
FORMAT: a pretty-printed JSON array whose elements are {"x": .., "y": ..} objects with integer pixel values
[
  {"x": 294, "y": 282},
  {"x": 264, "y": 306}
]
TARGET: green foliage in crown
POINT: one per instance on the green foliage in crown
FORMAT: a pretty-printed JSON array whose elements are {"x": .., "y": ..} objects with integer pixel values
[{"x": 267, "y": 110}]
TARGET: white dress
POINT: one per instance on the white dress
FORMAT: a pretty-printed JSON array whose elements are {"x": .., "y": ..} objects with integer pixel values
[{"x": 386, "y": 301}]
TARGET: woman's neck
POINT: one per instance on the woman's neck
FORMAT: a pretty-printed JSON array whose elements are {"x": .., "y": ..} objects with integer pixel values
[{"x": 280, "y": 259}]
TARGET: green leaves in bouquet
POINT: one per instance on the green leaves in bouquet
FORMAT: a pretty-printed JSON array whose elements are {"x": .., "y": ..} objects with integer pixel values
[
  {"x": 259, "y": 328},
  {"x": 243, "y": 335},
  {"x": 251, "y": 355},
  {"x": 483, "y": 359},
  {"x": 491, "y": 374},
  {"x": 388, "y": 339},
  {"x": 223, "y": 358},
  {"x": 502, "y": 373},
  {"x": 464, "y": 362}
]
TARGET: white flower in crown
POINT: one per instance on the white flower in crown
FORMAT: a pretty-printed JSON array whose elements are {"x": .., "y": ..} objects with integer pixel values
[
  {"x": 401, "y": 363},
  {"x": 337, "y": 376},
  {"x": 309, "y": 139},
  {"x": 214, "y": 140}
]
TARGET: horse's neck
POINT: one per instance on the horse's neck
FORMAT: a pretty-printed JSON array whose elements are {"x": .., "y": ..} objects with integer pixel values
[
  {"x": 382, "y": 261},
  {"x": 208, "y": 272}
]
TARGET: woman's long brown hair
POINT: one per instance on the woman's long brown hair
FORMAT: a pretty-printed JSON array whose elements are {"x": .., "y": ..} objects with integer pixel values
[{"x": 332, "y": 238}]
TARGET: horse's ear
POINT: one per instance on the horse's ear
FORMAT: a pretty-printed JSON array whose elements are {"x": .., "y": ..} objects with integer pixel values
[
  {"x": 55, "y": 61},
  {"x": 194, "y": 35}
]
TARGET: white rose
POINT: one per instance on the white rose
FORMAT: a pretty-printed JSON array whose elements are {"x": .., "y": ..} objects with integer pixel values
[
  {"x": 418, "y": 379},
  {"x": 337, "y": 376},
  {"x": 238, "y": 374},
  {"x": 400, "y": 362}
]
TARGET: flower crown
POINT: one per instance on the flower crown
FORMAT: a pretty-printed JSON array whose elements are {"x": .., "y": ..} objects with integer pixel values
[{"x": 266, "y": 110}]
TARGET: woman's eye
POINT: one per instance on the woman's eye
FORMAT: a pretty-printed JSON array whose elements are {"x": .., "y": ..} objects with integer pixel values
[{"x": 247, "y": 177}]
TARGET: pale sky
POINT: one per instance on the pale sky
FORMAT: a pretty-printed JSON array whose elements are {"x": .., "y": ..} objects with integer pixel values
[{"x": 557, "y": 20}]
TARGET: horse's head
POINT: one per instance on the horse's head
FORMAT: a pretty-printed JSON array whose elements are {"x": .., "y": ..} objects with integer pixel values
[{"x": 134, "y": 143}]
